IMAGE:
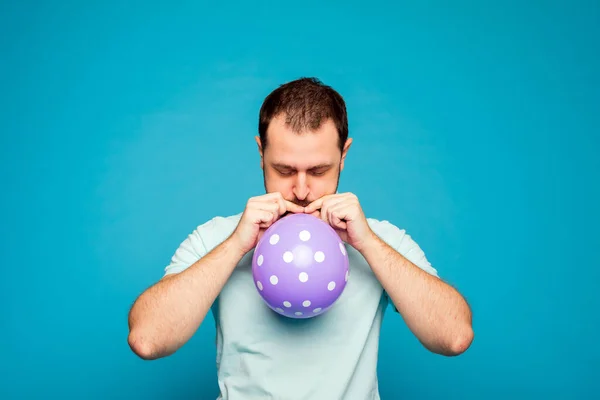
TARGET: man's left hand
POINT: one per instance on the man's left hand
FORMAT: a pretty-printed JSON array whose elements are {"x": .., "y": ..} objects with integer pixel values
[{"x": 344, "y": 213}]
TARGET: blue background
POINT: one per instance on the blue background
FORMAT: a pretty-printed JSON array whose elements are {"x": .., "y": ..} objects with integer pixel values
[{"x": 476, "y": 129}]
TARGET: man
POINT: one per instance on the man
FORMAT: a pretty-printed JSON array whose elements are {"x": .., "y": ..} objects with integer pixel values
[{"x": 303, "y": 143}]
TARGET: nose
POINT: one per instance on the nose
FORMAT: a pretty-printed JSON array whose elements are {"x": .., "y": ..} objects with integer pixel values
[{"x": 301, "y": 187}]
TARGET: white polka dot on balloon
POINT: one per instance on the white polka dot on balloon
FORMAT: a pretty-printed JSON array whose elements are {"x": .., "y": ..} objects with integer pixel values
[
  {"x": 288, "y": 257},
  {"x": 316, "y": 310},
  {"x": 331, "y": 286},
  {"x": 259, "y": 285},
  {"x": 274, "y": 239},
  {"x": 303, "y": 277},
  {"x": 319, "y": 256},
  {"x": 260, "y": 260},
  {"x": 304, "y": 236},
  {"x": 274, "y": 280},
  {"x": 346, "y": 277},
  {"x": 279, "y": 310},
  {"x": 287, "y": 304},
  {"x": 306, "y": 303},
  {"x": 342, "y": 248},
  {"x": 298, "y": 313}
]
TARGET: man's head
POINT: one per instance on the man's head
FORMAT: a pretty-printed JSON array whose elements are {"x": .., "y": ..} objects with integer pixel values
[{"x": 303, "y": 140}]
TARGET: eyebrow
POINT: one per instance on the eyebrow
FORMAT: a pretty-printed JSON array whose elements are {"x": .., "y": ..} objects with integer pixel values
[{"x": 289, "y": 167}]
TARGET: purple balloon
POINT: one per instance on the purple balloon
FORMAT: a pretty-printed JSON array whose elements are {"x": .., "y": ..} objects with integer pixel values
[{"x": 300, "y": 266}]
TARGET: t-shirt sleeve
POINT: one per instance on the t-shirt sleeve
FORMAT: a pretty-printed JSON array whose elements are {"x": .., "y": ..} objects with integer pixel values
[
  {"x": 189, "y": 251},
  {"x": 404, "y": 244}
]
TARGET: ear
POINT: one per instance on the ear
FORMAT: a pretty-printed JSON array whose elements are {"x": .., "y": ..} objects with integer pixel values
[
  {"x": 345, "y": 152},
  {"x": 260, "y": 151}
]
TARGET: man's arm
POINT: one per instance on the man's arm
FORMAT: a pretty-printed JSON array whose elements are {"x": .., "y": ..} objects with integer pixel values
[
  {"x": 167, "y": 314},
  {"x": 433, "y": 310}
]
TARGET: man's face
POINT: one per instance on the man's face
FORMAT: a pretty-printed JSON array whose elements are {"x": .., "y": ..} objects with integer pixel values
[{"x": 302, "y": 167}]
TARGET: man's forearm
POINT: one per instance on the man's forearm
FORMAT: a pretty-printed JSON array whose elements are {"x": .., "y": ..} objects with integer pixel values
[
  {"x": 433, "y": 310},
  {"x": 167, "y": 314}
]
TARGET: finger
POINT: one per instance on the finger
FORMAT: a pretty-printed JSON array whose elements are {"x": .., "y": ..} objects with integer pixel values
[
  {"x": 281, "y": 206},
  {"x": 315, "y": 205},
  {"x": 340, "y": 214},
  {"x": 336, "y": 219},
  {"x": 344, "y": 210},
  {"x": 266, "y": 206},
  {"x": 269, "y": 221},
  {"x": 324, "y": 213},
  {"x": 336, "y": 222},
  {"x": 262, "y": 198},
  {"x": 329, "y": 205},
  {"x": 264, "y": 214},
  {"x": 262, "y": 217},
  {"x": 286, "y": 205},
  {"x": 293, "y": 207},
  {"x": 273, "y": 197}
]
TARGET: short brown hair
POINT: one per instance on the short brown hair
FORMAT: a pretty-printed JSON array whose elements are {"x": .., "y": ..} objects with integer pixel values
[{"x": 307, "y": 103}]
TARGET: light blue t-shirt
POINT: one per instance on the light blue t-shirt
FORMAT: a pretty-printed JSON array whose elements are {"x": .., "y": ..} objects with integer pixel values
[{"x": 263, "y": 355}]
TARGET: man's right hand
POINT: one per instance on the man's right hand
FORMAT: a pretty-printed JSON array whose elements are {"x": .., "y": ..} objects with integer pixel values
[{"x": 260, "y": 213}]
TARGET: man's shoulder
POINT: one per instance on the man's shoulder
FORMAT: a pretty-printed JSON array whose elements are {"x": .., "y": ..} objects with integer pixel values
[
  {"x": 203, "y": 239},
  {"x": 385, "y": 229},
  {"x": 218, "y": 225},
  {"x": 402, "y": 242}
]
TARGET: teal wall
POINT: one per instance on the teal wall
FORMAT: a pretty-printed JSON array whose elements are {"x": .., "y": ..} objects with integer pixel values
[{"x": 476, "y": 128}]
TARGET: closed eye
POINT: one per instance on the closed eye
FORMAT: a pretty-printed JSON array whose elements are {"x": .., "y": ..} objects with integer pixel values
[
  {"x": 321, "y": 169},
  {"x": 318, "y": 172},
  {"x": 286, "y": 172}
]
